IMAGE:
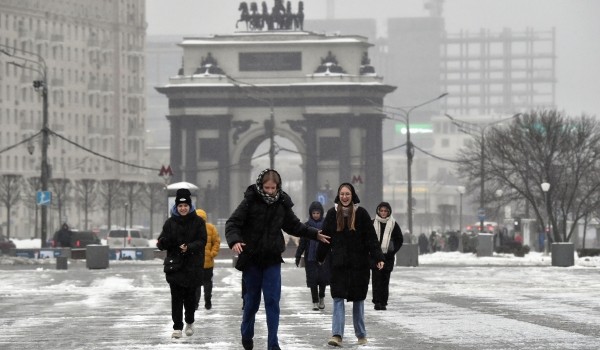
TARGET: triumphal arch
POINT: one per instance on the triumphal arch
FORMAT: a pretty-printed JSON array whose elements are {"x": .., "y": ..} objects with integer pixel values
[{"x": 235, "y": 91}]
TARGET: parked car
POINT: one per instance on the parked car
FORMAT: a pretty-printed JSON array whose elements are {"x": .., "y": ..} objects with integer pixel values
[
  {"x": 80, "y": 239},
  {"x": 126, "y": 238},
  {"x": 6, "y": 244}
]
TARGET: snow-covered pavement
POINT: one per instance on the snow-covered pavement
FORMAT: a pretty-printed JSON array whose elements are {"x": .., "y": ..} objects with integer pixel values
[{"x": 451, "y": 301}]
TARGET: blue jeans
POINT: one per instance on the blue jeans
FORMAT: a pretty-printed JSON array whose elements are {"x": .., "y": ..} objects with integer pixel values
[
  {"x": 267, "y": 279},
  {"x": 339, "y": 318}
]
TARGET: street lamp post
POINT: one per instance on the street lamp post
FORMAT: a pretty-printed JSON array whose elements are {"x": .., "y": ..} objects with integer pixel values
[
  {"x": 42, "y": 86},
  {"x": 410, "y": 153},
  {"x": 461, "y": 191},
  {"x": 545, "y": 188},
  {"x": 460, "y": 124}
]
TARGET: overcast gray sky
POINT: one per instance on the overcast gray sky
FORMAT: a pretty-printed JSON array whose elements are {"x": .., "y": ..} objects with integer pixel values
[{"x": 576, "y": 22}]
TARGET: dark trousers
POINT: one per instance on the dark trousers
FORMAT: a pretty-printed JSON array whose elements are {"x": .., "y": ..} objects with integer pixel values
[
  {"x": 318, "y": 292},
  {"x": 381, "y": 286},
  {"x": 182, "y": 298},
  {"x": 207, "y": 283}
]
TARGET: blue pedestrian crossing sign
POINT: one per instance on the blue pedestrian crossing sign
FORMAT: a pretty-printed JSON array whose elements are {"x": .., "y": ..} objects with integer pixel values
[
  {"x": 322, "y": 197},
  {"x": 43, "y": 197},
  {"x": 481, "y": 214}
]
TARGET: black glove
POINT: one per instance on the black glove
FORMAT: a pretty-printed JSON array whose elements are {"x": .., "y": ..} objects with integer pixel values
[{"x": 298, "y": 261}]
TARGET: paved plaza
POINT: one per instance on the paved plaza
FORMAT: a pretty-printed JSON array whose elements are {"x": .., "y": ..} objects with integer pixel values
[{"x": 435, "y": 306}]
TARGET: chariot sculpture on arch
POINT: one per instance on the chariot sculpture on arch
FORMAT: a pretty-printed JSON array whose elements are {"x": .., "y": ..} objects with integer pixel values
[{"x": 279, "y": 18}]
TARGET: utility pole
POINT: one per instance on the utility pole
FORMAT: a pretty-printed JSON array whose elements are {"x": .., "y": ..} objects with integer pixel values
[
  {"x": 410, "y": 152},
  {"x": 42, "y": 87}
]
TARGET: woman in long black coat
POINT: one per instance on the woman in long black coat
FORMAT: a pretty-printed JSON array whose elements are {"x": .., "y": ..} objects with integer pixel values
[
  {"x": 353, "y": 245},
  {"x": 184, "y": 238}
]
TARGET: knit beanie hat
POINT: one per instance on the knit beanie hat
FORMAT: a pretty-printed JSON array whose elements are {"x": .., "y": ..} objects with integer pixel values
[{"x": 183, "y": 196}]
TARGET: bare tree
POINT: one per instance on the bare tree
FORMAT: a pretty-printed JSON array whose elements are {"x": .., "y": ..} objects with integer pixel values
[
  {"x": 61, "y": 187},
  {"x": 87, "y": 195},
  {"x": 131, "y": 191},
  {"x": 542, "y": 146},
  {"x": 10, "y": 190},
  {"x": 154, "y": 199},
  {"x": 110, "y": 193}
]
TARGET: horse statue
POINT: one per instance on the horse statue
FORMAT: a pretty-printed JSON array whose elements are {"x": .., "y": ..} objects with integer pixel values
[
  {"x": 267, "y": 19},
  {"x": 278, "y": 14},
  {"x": 256, "y": 20},
  {"x": 245, "y": 14},
  {"x": 289, "y": 16},
  {"x": 299, "y": 17}
]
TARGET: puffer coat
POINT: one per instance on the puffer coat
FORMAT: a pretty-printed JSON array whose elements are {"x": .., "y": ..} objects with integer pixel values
[
  {"x": 213, "y": 242},
  {"x": 189, "y": 230},
  {"x": 350, "y": 252},
  {"x": 259, "y": 225}
]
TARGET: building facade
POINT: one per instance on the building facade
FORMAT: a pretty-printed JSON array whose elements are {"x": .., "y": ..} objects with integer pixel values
[{"x": 93, "y": 55}]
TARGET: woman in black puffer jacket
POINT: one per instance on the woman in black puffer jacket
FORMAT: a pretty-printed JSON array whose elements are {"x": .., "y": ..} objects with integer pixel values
[
  {"x": 353, "y": 245},
  {"x": 184, "y": 238},
  {"x": 253, "y": 232}
]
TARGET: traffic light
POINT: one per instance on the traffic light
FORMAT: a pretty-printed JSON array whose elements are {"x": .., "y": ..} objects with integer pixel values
[{"x": 37, "y": 84}]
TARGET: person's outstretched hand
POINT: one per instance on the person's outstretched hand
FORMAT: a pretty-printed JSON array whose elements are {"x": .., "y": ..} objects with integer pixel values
[{"x": 323, "y": 238}]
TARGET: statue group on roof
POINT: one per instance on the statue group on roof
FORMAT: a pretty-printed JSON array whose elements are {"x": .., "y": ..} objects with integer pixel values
[{"x": 279, "y": 18}]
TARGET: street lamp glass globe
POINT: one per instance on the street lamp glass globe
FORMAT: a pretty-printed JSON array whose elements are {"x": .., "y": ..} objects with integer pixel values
[{"x": 545, "y": 186}]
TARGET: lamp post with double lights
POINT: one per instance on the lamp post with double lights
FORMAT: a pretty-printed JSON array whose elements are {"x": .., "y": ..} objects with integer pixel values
[
  {"x": 40, "y": 85},
  {"x": 405, "y": 114},
  {"x": 269, "y": 123},
  {"x": 481, "y": 128}
]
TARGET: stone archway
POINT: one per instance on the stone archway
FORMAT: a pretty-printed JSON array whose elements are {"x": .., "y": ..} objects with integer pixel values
[{"x": 331, "y": 115}]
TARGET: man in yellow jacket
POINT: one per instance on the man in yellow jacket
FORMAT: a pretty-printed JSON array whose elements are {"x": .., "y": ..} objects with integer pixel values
[{"x": 213, "y": 243}]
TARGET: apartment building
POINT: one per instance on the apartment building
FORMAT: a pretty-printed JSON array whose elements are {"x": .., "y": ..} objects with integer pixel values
[{"x": 92, "y": 55}]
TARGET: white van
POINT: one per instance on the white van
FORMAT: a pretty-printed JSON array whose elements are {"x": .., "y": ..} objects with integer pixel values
[{"x": 126, "y": 238}]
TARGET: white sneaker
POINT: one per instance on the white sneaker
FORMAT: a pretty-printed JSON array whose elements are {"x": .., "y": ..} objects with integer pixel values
[
  {"x": 189, "y": 329},
  {"x": 321, "y": 303},
  {"x": 176, "y": 334},
  {"x": 315, "y": 307}
]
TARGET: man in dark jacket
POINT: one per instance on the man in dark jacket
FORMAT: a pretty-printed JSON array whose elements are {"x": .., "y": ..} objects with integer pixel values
[
  {"x": 253, "y": 232},
  {"x": 184, "y": 237},
  {"x": 62, "y": 237}
]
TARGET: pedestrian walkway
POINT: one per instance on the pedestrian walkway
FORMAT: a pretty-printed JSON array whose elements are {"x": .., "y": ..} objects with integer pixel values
[{"x": 127, "y": 306}]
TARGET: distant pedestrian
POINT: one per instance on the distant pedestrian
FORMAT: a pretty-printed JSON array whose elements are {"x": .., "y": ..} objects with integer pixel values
[
  {"x": 253, "y": 231},
  {"x": 353, "y": 245},
  {"x": 62, "y": 237},
  {"x": 211, "y": 251},
  {"x": 423, "y": 244},
  {"x": 183, "y": 236},
  {"x": 317, "y": 275},
  {"x": 390, "y": 239}
]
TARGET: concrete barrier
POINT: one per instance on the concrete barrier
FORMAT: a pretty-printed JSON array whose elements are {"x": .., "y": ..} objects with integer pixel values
[
  {"x": 96, "y": 256},
  {"x": 485, "y": 244},
  {"x": 62, "y": 263},
  {"x": 408, "y": 255},
  {"x": 563, "y": 254}
]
